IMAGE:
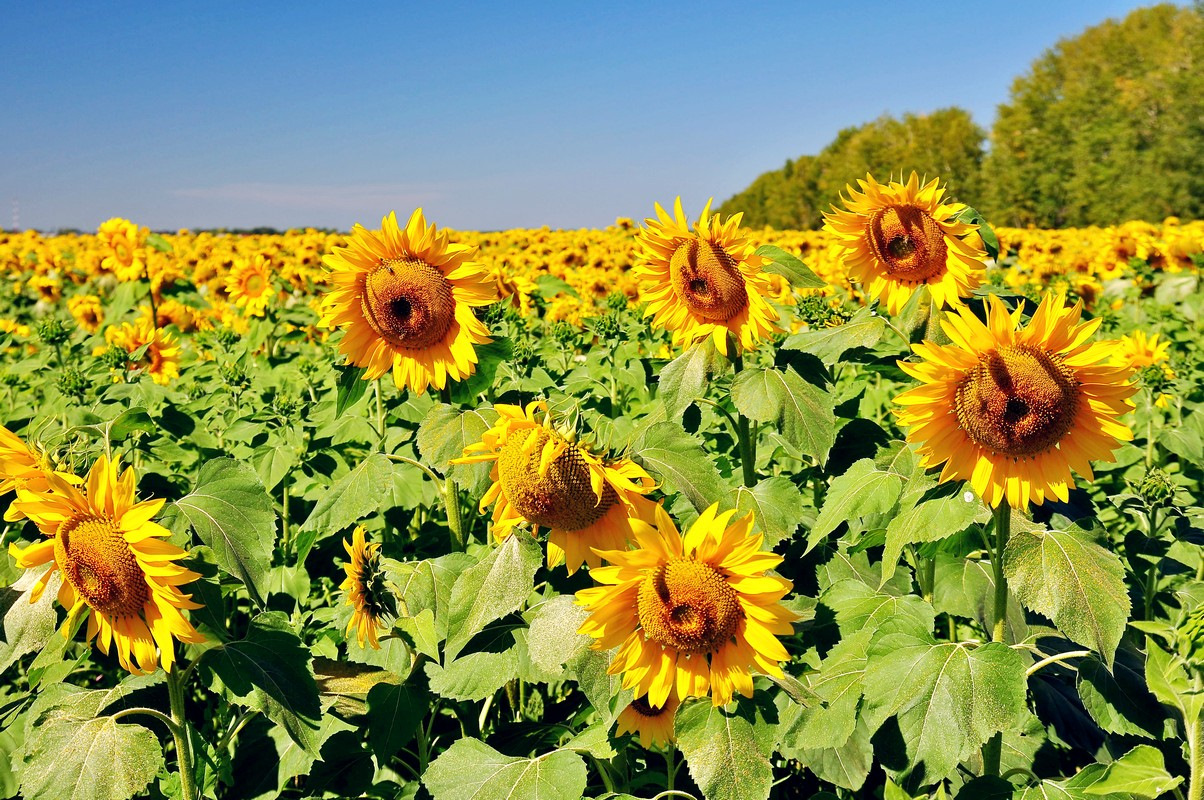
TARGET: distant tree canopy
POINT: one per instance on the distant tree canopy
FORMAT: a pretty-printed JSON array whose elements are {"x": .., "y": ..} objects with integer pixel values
[{"x": 1105, "y": 127}]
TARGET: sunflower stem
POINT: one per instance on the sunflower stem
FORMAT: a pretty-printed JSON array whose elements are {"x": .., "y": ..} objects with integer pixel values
[
  {"x": 993, "y": 749},
  {"x": 380, "y": 414},
  {"x": 451, "y": 495},
  {"x": 747, "y": 442},
  {"x": 1195, "y": 754},
  {"x": 151, "y": 296},
  {"x": 1151, "y": 572},
  {"x": 175, "y": 693}
]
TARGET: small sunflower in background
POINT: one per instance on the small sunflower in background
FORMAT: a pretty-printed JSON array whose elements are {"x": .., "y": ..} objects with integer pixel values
[
  {"x": 160, "y": 360},
  {"x": 542, "y": 478},
  {"x": 1137, "y": 351},
  {"x": 1014, "y": 409},
  {"x": 116, "y": 568},
  {"x": 704, "y": 282},
  {"x": 121, "y": 242},
  {"x": 249, "y": 285},
  {"x": 691, "y": 614},
  {"x": 87, "y": 311},
  {"x": 653, "y": 724},
  {"x": 367, "y": 590},
  {"x": 405, "y": 297},
  {"x": 896, "y": 237}
]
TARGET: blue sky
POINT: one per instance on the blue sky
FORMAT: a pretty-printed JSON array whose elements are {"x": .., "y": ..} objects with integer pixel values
[{"x": 489, "y": 115}]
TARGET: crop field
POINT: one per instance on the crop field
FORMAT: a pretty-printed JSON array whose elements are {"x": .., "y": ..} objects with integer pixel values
[{"x": 902, "y": 508}]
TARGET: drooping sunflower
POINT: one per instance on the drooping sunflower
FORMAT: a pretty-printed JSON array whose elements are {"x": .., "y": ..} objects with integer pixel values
[
  {"x": 691, "y": 614},
  {"x": 703, "y": 282},
  {"x": 653, "y": 724},
  {"x": 367, "y": 591},
  {"x": 542, "y": 478},
  {"x": 896, "y": 237},
  {"x": 1014, "y": 409},
  {"x": 249, "y": 285},
  {"x": 161, "y": 359},
  {"x": 405, "y": 298},
  {"x": 116, "y": 568},
  {"x": 87, "y": 311}
]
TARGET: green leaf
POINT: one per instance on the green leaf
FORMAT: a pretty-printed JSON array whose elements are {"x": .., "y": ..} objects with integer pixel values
[
  {"x": 1141, "y": 772},
  {"x": 684, "y": 379},
  {"x": 1168, "y": 680},
  {"x": 272, "y": 464},
  {"x": 837, "y": 686},
  {"x": 553, "y": 640},
  {"x": 157, "y": 242},
  {"x": 472, "y": 770},
  {"x": 27, "y": 626},
  {"x": 777, "y": 507},
  {"x": 269, "y": 671},
  {"x": 675, "y": 457},
  {"x": 846, "y": 766},
  {"x": 351, "y": 388},
  {"x": 1074, "y": 581},
  {"x": 859, "y": 606},
  {"x": 949, "y": 698},
  {"x": 549, "y": 286},
  {"x": 474, "y": 676},
  {"x": 989, "y": 239},
  {"x": 394, "y": 714},
  {"x": 863, "y": 489},
  {"x": 349, "y": 499},
  {"x": 939, "y": 514},
  {"x": 231, "y": 512},
  {"x": 790, "y": 267},
  {"x": 445, "y": 432},
  {"x": 1118, "y": 699},
  {"x": 801, "y": 412},
  {"x": 722, "y": 752},
  {"x": 491, "y": 589},
  {"x": 88, "y": 759},
  {"x": 864, "y": 329},
  {"x": 966, "y": 588}
]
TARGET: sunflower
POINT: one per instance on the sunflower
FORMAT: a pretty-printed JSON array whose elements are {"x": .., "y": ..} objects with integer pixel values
[
  {"x": 405, "y": 297},
  {"x": 897, "y": 237},
  {"x": 367, "y": 592},
  {"x": 542, "y": 478},
  {"x": 653, "y": 724},
  {"x": 121, "y": 241},
  {"x": 87, "y": 311},
  {"x": 23, "y": 467},
  {"x": 690, "y": 614},
  {"x": 1014, "y": 410},
  {"x": 114, "y": 563},
  {"x": 249, "y": 285},
  {"x": 1137, "y": 351},
  {"x": 161, "y": 359},
  {"x": 704, "y": 282}
]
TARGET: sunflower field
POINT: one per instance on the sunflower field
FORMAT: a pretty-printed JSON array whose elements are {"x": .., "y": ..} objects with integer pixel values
[{"x": 903, "y": 508}]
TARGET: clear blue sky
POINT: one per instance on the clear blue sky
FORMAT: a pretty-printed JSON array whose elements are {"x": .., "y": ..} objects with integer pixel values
[{"x": 490, "y": 115}]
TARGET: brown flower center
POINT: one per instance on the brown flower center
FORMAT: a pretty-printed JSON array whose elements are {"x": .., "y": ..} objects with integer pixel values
[
  {"x": 99, "y": 565},
  {"x": 687, "y": 605},
  {"x": 1017, "y": 401},
  {"x": 408, "y": 303},
  {"x": 563, "y": 498},
  {"x": 708, "y": 280},
  {"x": 641, "y": 706},
  {"x": 909, "y": 242}
]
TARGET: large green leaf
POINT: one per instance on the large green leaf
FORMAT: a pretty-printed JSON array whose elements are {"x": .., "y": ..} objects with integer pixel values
[
  {"x": 394, "y": 713},
  {"x": 1074, "y": 581},
  {"x": 722, "y": 752},
  {"x": 27, "y": 626},
  {"x": 445, "y": 432},
  {"x": 474, "y": 676},
  {"x": 864, "y": 489},
  {"x": 1118, "y": 699},
  {"x": 949, "y": 698},
  {"x": 859, "y": 606},
  {"x": 1141, "y": 772},
  {"x": 790, "y": 267},
  {"x": 846, "y": 766},
  {"x": 936, "y": 514},
  {"x": 491, "y": 589},
  {"x": 472, "y": 770},
  {"x": 231, "y": 512},
  {"x": 675, "y": 458},
  {"x": 777, "y": 507},
  {"x": 865, "y": 329},
  {"x": 349, "y": 499},
  {"x": 801, "y": 412},
  {"x": 830, "y": 717},
  {"x": 269, "y": 671},
  {"x": 67, "y": 758},
  {"x": 351, "y": 387},
  {"x": 684, "y": 379}
]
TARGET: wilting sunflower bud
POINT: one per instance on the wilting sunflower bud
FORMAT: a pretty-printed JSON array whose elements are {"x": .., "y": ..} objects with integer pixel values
[{"x": 1156, "y": 488}]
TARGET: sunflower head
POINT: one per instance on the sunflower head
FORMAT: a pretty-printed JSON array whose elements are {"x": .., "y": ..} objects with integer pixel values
[
  {"x": 250, "y": 286},
  {"x": 161, "y": 356},
  {"x": 405, "y": 296},
  {"x": 87, "y": 311},
  {"x": 368, "y": 592},
  {"x": 121, "y": 242},
  {"x": 653, "y": 724},
  {"x": 704, "y": 280},
  {"x": 543, "y": 477},
  {"x": 693, "y": 614},
  {"x": 1013, "y": 409},
  {"x": 896, "y": 237}
]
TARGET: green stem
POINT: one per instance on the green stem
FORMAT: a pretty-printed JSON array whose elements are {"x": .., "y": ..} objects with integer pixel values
[
  {"x": 670, "y": 767},
  {"x": 175, "y": 693},
  {"x": 284, "y": 532},
  {"x": 1054, "y": 659},
  {"x": 149, "y": 712},
  {"x": 151, "y": 296},
  {"x": 1195, "y": 751},
  {"x": 928, "y": 578},
  {"x": 1151, "y": 571},
  {"x": 748, "y": 443},
  {"x": 451, "y": 496},
  {"x": 992, "y": 751},
  {"x": 380, "y": 415}
]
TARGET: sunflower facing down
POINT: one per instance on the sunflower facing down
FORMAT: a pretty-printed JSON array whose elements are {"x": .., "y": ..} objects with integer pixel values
[
  {"x": 704, "y": 282},
  {"x": 897, "y": 237},
  {"x": 542, "y": 478},
  {"x": 249, "y": 285},
  {"x": 653, "y": 724},
  {"x": 691, "y": 614},
  {"x": 405, "y": 298},
  {"x": 367, "y": 593},
  {"x": 114, "y": 563},
  {"x": 1013, "y": 410}
]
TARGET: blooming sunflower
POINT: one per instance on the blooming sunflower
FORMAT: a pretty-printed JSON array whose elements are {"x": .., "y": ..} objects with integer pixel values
[
  {"x": 161, "y": 359},
  {"x": 703, "y": 282},
  {"x": 87, "y": 311},
  {"x": 1137, "y": 351},
  {"x": 653, "y": 724},
  {"x": 121, "y": 241},
  {"x": 690, "y": 614},
  {"x": 23, "y": 467},
  {"x": 114, "y": 565},
  {"x": 542, "y": 478},
  {"x": 367, "y": 592},
  {"x": 1014, "y": 410},
  {"x": 896, "y": 237},
  {"x": 405, "y": 297},
  {"x": 249, "y": 285}
]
